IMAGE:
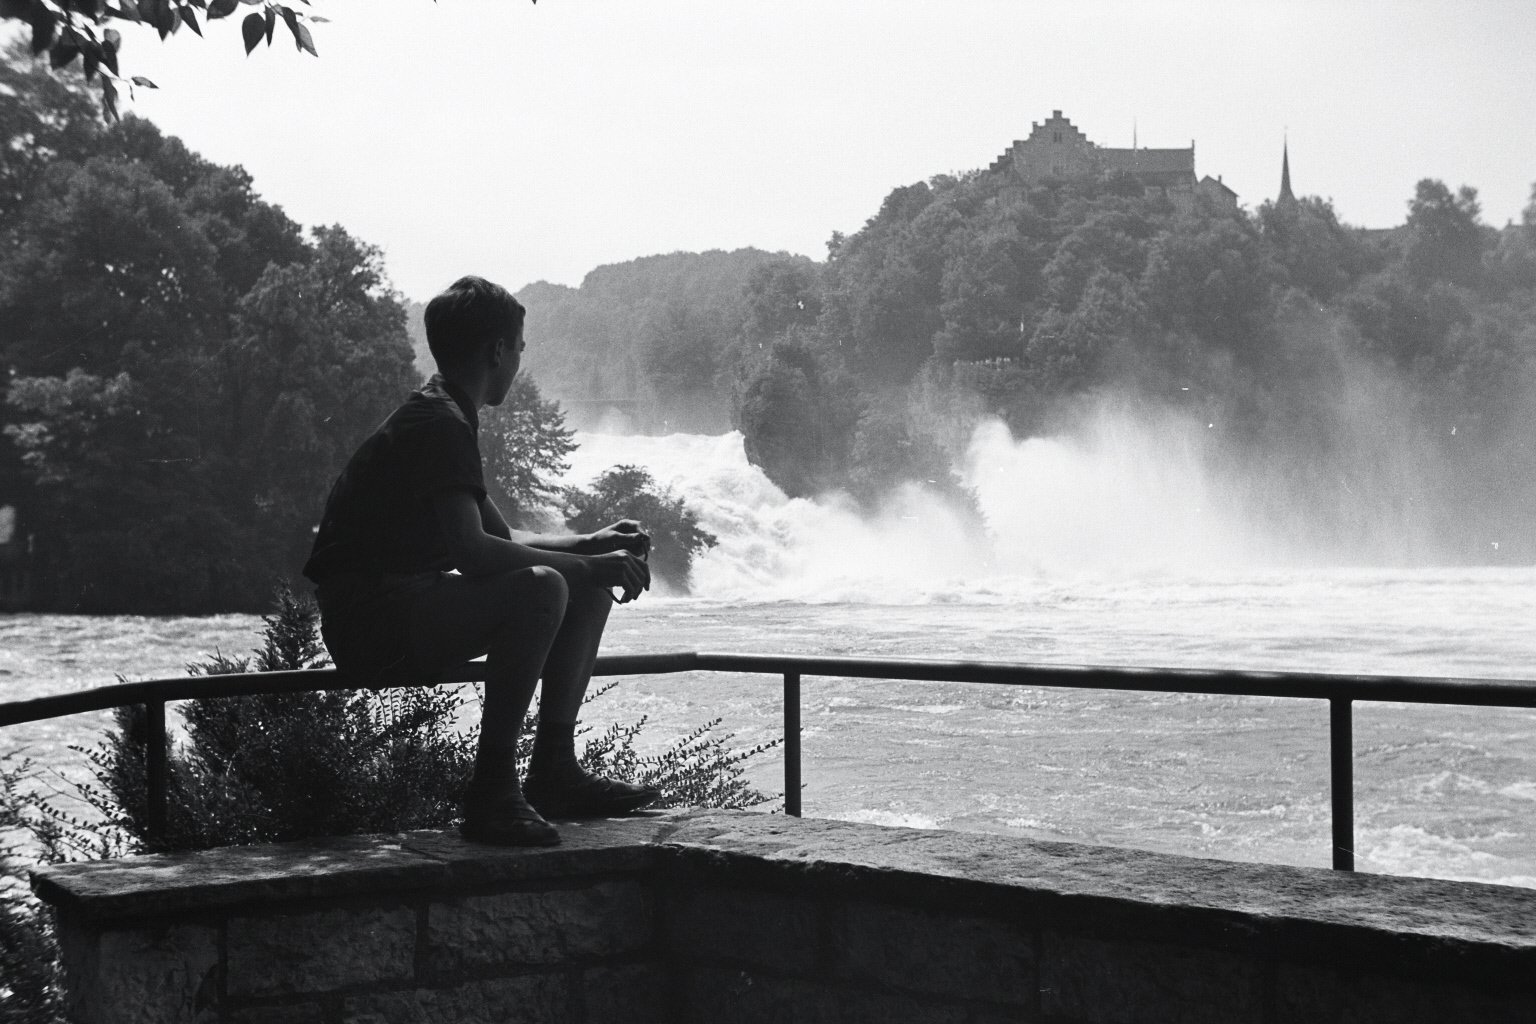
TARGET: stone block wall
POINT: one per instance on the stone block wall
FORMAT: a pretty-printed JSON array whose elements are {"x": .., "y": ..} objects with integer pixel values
[
  {"x": 716, "y": 916},
  {"x": 369, "y": 930}
]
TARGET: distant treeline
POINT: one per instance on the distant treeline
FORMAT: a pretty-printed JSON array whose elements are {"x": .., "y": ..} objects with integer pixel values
[{"x": 660, "y": 331}]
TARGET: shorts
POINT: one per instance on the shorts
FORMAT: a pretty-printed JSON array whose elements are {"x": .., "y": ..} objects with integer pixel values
[{"x": 365, "y": 621}]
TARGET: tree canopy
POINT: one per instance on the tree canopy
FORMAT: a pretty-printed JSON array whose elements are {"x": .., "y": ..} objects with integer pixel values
[
  {"x": 525, "y": 444},
  {"x": 84, "y": 34},
  {"x": 185, "y": 369}
]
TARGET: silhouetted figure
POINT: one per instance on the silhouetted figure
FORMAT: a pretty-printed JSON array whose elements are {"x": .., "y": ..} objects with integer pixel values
[{"x": 410, "y": 506}]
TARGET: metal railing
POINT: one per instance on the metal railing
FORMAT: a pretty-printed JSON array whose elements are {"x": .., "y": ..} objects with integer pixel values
[{"x": 1340, "y": 691}]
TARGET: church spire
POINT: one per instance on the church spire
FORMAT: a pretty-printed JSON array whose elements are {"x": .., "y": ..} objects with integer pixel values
[{"x": 1287, "y": 197}]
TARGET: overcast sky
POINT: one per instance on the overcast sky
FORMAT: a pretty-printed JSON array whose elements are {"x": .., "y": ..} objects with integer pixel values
[{"x": 529, "y": 142}]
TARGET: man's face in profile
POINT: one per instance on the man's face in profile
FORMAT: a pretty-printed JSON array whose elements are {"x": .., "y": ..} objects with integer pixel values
[{"x": 505, "y": 370}]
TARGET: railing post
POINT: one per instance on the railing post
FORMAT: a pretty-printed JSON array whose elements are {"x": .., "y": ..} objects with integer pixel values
[
  {"x": 1341, "y": 771},
  {"x": 792, "y": 743},
  {"x": 154, "y": 769}
]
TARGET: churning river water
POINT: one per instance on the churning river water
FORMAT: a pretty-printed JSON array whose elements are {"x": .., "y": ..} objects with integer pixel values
[{"x": 1143, "y": 574}]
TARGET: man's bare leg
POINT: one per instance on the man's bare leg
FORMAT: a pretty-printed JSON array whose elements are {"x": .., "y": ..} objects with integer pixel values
[
  {"x": 568, "y": 668},
  {"x": 556, "y": 783},
  {"x": 514, "y": 619}
]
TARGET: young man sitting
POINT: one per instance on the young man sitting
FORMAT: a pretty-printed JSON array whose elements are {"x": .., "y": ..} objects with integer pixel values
[{"x": 410, "y": 506}]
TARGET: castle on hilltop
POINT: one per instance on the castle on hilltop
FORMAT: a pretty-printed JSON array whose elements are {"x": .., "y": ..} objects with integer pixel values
[{"x": 1057, "y": 149}]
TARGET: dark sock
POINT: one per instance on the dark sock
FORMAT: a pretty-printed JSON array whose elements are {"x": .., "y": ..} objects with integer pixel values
[
  {"x": 495, "y": 770},
  {"x": 501, "y": 721},
  {"x": 554, "y": 750}
]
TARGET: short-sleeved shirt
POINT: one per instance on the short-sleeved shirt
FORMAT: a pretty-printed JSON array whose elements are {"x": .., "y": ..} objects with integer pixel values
[{"x": 379, "y": 516}]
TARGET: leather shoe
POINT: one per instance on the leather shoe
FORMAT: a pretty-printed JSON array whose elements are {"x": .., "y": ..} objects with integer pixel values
[
  {"x": 588, "y": 796},
  {"x": 506, "y": 820}
]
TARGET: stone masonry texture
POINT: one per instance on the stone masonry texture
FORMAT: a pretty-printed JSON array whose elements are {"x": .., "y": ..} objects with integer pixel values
[
  {"x": 1304, "y": 995},
  {"x": 287, "y": 954},
  {"x": 535, "y": 999},
  {"x": 591, "y": 923},
  {"x": 294, "y": 1013},
  {"x": 932, "y": 952},
  {"x": 744, "y": 997},
  {"x": 159, "y": 974},
  {"x": 759, "y": 929},
  {"x": 1119, "y": 981},
  {"x": 635, "y": 994}
]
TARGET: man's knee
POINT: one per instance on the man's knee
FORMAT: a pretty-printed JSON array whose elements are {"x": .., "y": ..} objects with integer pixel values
[
  {"x": 588, "y": 604},
  {"x": 548, "y": 589},
  {"x": 535, "y": 595}
]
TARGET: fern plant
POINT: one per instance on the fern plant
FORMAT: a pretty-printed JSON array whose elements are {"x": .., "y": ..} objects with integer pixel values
[{"x": 29, "y": 958}]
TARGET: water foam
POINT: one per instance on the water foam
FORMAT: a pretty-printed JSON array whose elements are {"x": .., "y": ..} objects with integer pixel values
[{"x": 1418, "y": 852}]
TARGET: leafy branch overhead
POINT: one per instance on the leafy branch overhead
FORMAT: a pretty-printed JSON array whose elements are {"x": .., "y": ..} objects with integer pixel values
[{"x": 68, "y": 30}]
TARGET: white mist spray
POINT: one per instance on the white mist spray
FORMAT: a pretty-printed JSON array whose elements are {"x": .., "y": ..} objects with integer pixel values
[
  {"x": 1121, "y": 494},
  {"x": 1127, "y": 492}
]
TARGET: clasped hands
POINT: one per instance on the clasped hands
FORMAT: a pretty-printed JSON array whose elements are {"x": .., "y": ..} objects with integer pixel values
[{"x": 619, "y": 554}]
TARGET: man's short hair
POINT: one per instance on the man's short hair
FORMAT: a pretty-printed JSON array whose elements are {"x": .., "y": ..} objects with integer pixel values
[{"x": 471, "y": 313}]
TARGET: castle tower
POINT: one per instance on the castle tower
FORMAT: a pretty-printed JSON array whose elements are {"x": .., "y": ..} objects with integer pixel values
[{"x": 1287, "y": 197}]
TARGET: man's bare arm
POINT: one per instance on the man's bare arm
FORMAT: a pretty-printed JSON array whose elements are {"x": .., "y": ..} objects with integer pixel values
[
  {"x": 476, "y": 552},
  {"x": 495, "y": 524},
  {"x": 624, "y": 535},
  {"x": 492, "y": 521}
]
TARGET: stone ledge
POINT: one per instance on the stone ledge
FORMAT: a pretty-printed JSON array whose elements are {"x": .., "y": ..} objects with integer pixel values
[
  {"x": 231, "y": 877},
  {"x": 1469, "y": 932}
]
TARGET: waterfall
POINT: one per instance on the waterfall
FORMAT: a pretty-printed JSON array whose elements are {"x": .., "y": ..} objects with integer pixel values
[{"x": 1114, "y": 501}]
